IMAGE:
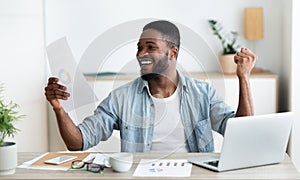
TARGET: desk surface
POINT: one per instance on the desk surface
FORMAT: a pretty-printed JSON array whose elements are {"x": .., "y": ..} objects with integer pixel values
[{"x": 283, "y": 170}]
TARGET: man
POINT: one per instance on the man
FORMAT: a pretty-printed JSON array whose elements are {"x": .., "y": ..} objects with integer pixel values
[{"x": 160, "y": 111}]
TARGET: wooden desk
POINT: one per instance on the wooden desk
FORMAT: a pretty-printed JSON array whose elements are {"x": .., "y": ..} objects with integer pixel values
[{"x": 284, "y": 170}]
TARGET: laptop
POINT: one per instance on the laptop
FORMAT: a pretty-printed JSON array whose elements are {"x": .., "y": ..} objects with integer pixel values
[{"x": 250, "y": 141}]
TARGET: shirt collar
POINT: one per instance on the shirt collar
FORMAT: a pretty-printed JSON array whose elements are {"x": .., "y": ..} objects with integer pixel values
[{"x": 181, "y": 83}]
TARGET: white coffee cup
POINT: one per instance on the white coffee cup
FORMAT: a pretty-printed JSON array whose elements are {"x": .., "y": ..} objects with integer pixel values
[{"x": 121, "y": 162}]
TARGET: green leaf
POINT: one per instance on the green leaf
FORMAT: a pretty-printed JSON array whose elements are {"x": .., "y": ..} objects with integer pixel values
[
  {"x": 8, "y": 115},
  {"x": 228, "y": 40}
]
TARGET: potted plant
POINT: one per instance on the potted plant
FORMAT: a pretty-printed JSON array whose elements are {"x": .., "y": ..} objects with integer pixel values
[
  {"x": 8, "y": 150},
  {"x": 229, "y": 44}
]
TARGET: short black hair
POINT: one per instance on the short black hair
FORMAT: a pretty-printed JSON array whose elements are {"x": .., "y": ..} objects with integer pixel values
[{"x": 169, "y": 30}]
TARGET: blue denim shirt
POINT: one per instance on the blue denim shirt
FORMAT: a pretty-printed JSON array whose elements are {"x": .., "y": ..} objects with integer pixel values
[{"x": 130, "y": 109}]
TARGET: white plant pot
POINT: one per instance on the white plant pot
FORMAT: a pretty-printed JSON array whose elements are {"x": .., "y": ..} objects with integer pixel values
[
  {"x": 227, "y": 64},
  {"x": 9, "y": 158}
]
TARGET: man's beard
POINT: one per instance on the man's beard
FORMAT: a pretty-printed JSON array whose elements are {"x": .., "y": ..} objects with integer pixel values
[
  {"x": 161, "y": 67},
  {"x": 148, "y": 77}
]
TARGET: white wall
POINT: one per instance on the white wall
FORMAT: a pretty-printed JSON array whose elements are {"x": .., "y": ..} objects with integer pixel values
[
  {"x": 22, "y": 68},
  {"x": 295, "y": 85},
  {"x": 84, "y": 20},
  {"x": 290, "y": 72}
]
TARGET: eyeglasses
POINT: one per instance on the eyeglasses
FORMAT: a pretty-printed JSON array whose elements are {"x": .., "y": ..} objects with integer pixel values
[{"x": 92, "y": 167}]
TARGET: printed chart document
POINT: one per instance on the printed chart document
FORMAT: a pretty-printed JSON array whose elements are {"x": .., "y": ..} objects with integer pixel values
[
  {"x": 64, "y": 66},
  {"x": 163, "y": 168}
]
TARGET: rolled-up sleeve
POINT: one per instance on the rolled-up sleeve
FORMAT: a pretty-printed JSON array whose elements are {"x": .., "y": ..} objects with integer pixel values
[
  {"x": 220, "y": 112},
  {"x": 100, "y": 125}
]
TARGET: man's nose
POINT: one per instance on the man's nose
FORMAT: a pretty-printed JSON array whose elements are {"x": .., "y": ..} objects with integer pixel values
[{"x": 142, "y": 53}]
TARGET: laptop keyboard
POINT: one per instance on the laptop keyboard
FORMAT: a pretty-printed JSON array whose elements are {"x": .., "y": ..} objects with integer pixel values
[{"x": 213, "y": 163}]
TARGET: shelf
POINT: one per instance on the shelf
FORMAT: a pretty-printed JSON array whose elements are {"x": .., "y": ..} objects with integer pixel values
[{"x": 196, "y": 75}]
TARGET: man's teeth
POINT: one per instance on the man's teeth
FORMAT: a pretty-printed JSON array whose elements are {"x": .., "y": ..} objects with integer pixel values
[{"x": 146, "y": 62}]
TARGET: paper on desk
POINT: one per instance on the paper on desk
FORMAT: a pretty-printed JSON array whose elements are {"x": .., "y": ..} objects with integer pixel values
[
  {"x": 63, "y": 66},
  {"x": 102, "y": 159},
  {"x": 27, "y": 164},
  {"x": 163, "y": 168},
  {"x": 39, "y": 162}
]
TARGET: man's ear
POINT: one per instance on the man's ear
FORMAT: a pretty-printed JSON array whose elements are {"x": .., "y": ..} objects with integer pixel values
[{"x": 173, "y": 53}]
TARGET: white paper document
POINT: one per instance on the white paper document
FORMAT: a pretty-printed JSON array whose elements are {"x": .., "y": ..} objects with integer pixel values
[
  {"x": 27, "y": 165},
  {"x": 102, "y": 159},
  {"x": 39, "y": 162},
  {"x": 64, "y": 66},
  {"x": 163, "y": 168}
]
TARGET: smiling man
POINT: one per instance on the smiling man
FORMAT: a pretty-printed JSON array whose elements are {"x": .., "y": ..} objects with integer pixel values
[{"x": 160, "y": 111}]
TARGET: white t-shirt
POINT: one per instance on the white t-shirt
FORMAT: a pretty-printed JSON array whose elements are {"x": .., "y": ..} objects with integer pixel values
[{"x": 168, "y": 133}]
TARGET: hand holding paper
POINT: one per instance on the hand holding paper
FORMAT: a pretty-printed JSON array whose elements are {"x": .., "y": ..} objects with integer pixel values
[
  {"x": 55, "y": 91},
  {"x": 69, "y": 78}
]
